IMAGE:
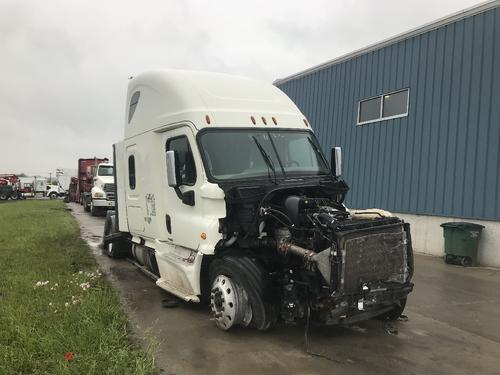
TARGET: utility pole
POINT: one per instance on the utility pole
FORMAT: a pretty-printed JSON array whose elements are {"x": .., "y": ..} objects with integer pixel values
[{"x": 59, "y": 173}]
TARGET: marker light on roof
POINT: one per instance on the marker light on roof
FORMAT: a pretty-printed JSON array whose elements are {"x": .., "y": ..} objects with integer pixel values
[
  {"x": 207, "y": 119},
  {"x": 264, "y": 120},
  {"x": 305, "y": 122},
  {"x": 274, "y": 120},
  {"x": 253, "y": 119}
]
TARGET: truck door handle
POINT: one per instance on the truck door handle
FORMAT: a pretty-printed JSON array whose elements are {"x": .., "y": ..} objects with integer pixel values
[{"x": 168, "y": 223}]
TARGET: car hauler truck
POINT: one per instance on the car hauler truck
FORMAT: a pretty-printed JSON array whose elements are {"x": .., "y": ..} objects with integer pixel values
[
  {"x": 10, "y": 187},
  {"x": 96, "y": 185},
  {"x": 224, "y": 196}
]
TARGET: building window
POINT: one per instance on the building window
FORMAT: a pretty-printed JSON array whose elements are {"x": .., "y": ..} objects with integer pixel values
[
  {"x": 131, "y": 172},
  {"x": 369, "y": 110},
  {"x": 133, "y": 104},
  {"x": 183, "y": 159},
  {"x": 383, "y": 107}
]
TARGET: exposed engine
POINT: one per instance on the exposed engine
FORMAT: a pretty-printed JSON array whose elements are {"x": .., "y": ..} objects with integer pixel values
[{"x": 342, "y": 267}]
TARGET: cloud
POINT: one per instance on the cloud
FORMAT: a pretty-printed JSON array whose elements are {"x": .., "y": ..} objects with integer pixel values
[{"x": 65, "y": 64}]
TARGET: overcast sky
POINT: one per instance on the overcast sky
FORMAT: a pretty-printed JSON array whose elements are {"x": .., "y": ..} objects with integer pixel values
[{"x": 64, "y": 64}]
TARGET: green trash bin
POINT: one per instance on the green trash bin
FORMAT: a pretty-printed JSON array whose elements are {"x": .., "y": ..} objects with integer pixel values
[{"x": 461, "y": 241}]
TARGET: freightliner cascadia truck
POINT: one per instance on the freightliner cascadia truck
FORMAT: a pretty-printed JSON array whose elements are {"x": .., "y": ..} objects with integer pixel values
[{"x": 225, "y": 197}]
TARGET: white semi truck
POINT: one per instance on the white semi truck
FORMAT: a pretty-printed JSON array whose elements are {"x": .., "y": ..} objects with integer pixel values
[
  {"x": 54, "y": 191},
  {"x": 102, "y": 194},
  {"x": 98, "y": 189},
  {"x": 223, "y": 195}
]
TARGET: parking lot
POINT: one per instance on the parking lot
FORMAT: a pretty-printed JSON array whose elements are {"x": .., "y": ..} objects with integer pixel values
[{"x": 453, "y": 327}]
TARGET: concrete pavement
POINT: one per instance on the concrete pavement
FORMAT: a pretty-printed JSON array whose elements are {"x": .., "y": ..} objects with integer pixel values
[{"x": 453, "y": 327}]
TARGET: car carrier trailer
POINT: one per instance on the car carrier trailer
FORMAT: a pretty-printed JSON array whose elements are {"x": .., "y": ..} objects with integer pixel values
[{"x": 225, "y": 197}]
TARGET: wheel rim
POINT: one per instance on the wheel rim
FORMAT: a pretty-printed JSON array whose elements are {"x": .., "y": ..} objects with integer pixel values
[
  {"x": 229, "y": 303},
  {"x": 466, "y": 261}
]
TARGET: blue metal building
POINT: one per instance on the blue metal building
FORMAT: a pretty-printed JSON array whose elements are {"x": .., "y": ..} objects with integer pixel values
[{"x": 417, "y": 116}]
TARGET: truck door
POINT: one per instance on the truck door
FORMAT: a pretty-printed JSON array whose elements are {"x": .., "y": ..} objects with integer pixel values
[
  {"x": 183, "y": 222},
  {"x": 132, "y": 188}
]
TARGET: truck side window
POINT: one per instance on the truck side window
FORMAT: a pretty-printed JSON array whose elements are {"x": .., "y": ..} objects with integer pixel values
[
  {"x": 131, "y": 172},
  {"x": 133, "y": 104},
  {"x": 184, "y": 159}
]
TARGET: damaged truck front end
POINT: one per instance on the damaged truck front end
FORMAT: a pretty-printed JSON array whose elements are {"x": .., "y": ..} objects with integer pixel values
[
  {"x": 309, "y": 256},
  {"x": 364, "y": 273}
]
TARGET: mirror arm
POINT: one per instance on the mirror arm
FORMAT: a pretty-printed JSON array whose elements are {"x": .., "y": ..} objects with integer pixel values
[{"x": 178, "y": 192}]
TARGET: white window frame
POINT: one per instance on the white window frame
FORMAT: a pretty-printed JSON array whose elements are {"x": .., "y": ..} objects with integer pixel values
[{"x": 381, "y": 98}]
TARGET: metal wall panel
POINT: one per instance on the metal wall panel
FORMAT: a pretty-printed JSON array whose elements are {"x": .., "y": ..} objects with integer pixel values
[{"x": 443, "y": 158}]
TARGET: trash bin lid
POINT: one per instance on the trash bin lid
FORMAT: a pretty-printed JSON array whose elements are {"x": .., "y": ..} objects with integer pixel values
[{"x": 462, "y": 225}]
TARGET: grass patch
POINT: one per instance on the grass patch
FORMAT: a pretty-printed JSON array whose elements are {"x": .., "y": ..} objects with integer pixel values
[{"x": 77, "y": 311}]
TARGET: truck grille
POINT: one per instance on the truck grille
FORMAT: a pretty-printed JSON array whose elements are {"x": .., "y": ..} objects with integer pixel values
[
  {"x": 377, "y": 254},
  {"x": 109, "y": 189}
]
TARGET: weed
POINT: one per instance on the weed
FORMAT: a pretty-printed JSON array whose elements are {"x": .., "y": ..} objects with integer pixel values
[{"x": 58, "y": 315}]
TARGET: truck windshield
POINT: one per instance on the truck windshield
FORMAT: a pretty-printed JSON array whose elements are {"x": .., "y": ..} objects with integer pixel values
[
  {"x": 249, "y": 153},
  {"x": 105, "y": 170}
]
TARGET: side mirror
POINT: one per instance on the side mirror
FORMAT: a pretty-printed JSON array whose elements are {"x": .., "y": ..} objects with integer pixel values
[
  {"x": 171, "y": 172},
  {"x": 336, "y": 161}
]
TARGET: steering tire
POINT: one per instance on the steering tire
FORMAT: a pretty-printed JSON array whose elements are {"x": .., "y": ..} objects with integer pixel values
[
  {"x": 241, "y": 294},
  {"x": 86, "y": 205},
  {"x": 117, "y": 249},
  {"x": 93, "y": 209}
]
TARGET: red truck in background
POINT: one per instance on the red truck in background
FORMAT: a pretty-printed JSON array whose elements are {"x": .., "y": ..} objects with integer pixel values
[
  {"x": 95, "y": 189},
  {"x": 86, "y": 170},
  {"x": 10, "y": 187}
]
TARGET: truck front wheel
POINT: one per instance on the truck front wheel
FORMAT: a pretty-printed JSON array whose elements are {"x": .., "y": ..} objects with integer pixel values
[
  {"x": 93, "y": 209},
  {"x": 86, "y": 204},
  {"x": 240, "y": 294},
  {"x": 117, "y": 249}
]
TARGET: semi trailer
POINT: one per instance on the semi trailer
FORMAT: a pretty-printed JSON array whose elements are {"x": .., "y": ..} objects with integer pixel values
[{"x": 224, "y": 196}]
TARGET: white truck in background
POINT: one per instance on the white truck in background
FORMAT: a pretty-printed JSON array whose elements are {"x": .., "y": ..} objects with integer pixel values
[
  {"x": 54, "y": 191},
  {"x": 224, "y": 196},
  {"x": 102, "y": 193}
]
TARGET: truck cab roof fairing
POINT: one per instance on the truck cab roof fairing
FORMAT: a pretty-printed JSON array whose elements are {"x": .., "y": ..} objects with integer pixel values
[{"x": 171, "y": 96}]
